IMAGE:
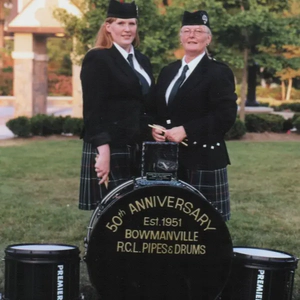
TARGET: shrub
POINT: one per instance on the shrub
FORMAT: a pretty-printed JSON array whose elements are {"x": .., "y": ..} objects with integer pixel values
[
  {"x": 288, "y": 106},
  {"x": 297, "y": 124},
  {"x": 42, "y": 124},
  {"x": 236, "y": 131},
  {"x": 58, "y": 124},
  {"x": 264, "y": 122},
  {"x": 287, "y": 125},
  {"x": 73, "y": 126},
  {"x": 295, "y": 116},
  {"x": 19, "y": 126},
  {"x": 264, "y": 104}
]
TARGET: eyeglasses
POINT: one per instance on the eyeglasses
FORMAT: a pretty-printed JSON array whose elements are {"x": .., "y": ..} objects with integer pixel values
[{"x": 196, "y": 32}]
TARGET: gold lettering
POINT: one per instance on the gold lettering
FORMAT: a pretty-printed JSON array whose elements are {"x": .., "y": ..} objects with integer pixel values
[
  {"x": 179, "y": 203},
  {"x": 140, "y": 205},
  {"x": 132, "y": 208},
  {"x": 188, "y": 207},
  {"x": 170, "y": 201},
  {"x": 195, "y": 213},
  {"x": 120, "y": 246},
  {"x": 162, "y": 202},
  {"x": 150, "y": 202}
]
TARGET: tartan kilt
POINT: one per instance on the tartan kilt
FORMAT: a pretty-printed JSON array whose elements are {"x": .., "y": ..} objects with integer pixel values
[
  {"x": 90, "y": 192},
  {"x": 213, "y": 184}
]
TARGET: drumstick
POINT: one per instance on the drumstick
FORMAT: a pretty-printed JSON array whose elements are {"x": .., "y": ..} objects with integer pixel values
[
  {"x": 107, "y": 179},
  {"x": 163, "y": 130}
]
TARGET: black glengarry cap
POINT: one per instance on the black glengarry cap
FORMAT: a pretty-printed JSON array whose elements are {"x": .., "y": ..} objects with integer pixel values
[
  {"x": 199, "y": 17},
  {"x": 120, "y": 10}
]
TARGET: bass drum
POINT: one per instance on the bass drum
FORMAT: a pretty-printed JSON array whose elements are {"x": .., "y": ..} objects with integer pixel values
[{"x": 161, "y": 241}]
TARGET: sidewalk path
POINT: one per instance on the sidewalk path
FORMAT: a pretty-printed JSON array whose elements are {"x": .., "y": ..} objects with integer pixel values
[{"x": 7, "y": 113}]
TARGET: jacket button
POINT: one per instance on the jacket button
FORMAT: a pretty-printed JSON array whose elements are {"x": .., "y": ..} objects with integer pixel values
[
  {"x": 212, "y": 147},
  {"x": 195, "y": 143},
  {"x": 218, "y": 144},
  {"x": 204, "y": 146}
]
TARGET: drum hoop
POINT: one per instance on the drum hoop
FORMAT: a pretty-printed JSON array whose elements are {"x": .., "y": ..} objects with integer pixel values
[
  {"x": 57, "y": 252},
  {"x": 94, "y": 216},
  {"x": 260, "y": 259}
]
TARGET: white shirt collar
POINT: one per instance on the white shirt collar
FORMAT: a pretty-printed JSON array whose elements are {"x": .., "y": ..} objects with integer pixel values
[
  {"x": 192, "y": 64},
  {"x": 123, "y": 51}
]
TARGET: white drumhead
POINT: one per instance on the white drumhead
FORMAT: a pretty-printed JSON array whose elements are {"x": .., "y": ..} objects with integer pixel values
[
  {"x": 38, "y": 247},
  {"x": 261, "y": 252}
]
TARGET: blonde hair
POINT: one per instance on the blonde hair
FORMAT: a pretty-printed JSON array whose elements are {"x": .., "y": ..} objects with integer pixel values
[{"x": 104, "y": 39}]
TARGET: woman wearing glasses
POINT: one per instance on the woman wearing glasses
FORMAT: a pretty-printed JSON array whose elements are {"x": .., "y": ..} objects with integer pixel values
[{"x": 196, "y": 105}]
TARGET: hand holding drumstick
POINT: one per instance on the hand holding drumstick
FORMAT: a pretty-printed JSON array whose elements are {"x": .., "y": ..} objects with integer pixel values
[{"x": 176, "y": 134}]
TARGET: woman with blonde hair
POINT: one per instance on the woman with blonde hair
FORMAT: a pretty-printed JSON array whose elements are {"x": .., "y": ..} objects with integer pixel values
[{"x": 116, "y": 81}]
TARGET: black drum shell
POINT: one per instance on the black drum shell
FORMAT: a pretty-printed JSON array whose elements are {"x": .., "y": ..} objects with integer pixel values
[
  {"x": 41, "y": 274},
  {"x": 157, "y": 276},
  {"x": 260, "y": 277}
]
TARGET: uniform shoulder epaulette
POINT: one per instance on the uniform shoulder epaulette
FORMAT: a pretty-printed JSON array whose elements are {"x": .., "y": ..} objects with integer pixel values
[{"x": 219, "y": 62}]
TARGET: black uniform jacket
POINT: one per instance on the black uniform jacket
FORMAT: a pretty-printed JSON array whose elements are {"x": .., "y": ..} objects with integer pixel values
[
  {"x": 113, "y": 104},
  {"x": 205, "y": 106}
]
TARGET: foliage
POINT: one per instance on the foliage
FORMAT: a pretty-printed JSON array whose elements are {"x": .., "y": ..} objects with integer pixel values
[
  {"x": 287, "y": 125},
  {"x": 236, "y": 25},
  {"x": 158, "y": 32},
  {"x": 288, "y": 106},
  {"x": 58, "y": 124},
  {"x": 264, "y": 122},
  {"x": 295, "y": 116},
  {"x": 19, "y": 126},
  {"x": 6, "y": 83},
  {"x": 73, "y": 126},
  {"x": 59, "y": 85},
  {"x": 297, "y": 124},
  {"x": 42, "y": 124},
  {"x": 236, "y": 131},
  {"x": 59, "y": 51}
]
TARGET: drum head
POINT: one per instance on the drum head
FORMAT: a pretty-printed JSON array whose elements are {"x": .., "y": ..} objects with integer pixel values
[
  {"x": 263, "y": 253},
  {"x": 159, "y": 242},
  {"x": 266, "y": 258}
]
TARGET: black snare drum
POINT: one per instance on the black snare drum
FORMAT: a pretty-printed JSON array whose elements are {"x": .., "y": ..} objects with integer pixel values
[
  {"x": 162, "y": 241},
  {"x": 41, "y": 272},
  {"x": 260, "y": 274}
]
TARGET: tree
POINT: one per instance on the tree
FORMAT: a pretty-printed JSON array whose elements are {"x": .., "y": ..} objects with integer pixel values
[
  {"x": 158, "y": 29},
  {"x": 249, "y": 26},
  {"x": 3, "y": 13},
  {"x": 240, "y": 27},
  {"x": 286, "y": 63},
  {"x": 285, "y": 59}
]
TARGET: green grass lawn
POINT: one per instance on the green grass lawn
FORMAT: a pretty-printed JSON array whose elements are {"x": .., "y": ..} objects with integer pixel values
[{"x": 39, "y": 196}]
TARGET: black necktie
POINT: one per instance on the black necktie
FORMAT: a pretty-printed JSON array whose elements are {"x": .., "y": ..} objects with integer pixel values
[
  {"x": 177, "y": 84},
  {"x": 142, "y": 79}
]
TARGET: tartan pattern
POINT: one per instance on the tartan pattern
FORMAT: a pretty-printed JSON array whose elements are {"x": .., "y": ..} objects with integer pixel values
[
  {"x": 213, "y": 184},
  {"x": 90, "y": 192}
]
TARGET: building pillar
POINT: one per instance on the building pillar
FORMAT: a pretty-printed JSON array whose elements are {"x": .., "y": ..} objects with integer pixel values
[
  {"x": 23, "y": 70},
  {"x": 77, "y": 92},
  {"x": 1, "y": 32},
  {"x": 30, "y": 74},
  {"x": 77, "y": 104},
  {"x": 40, "y": 75}
]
